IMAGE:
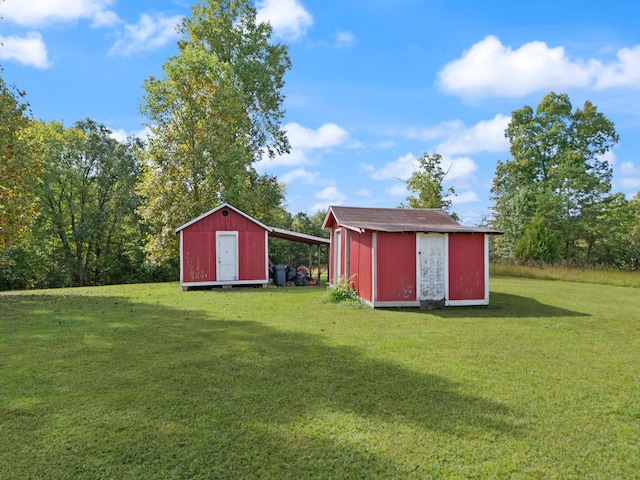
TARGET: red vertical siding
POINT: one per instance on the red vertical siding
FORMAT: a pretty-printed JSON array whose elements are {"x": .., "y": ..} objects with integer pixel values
[
  {"x": 198, "y": 256},
  {"x": 360, "y": 263},
  {"x": 353, "y": 269},
  {"x": 466, "y": 266},
  {"x": 199, "y": 247},
  {"x": 395, "y": 267},
  {"x": 252, "y": 260}
]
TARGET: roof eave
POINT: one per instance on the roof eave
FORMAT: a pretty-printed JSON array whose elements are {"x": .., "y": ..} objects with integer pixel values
[
  {"x": 298, "y": 237},
  {"x": 222, "y": 205}
]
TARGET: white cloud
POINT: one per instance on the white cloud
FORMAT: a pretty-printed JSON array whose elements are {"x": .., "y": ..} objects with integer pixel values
[
  {"x": 623, "y": 73},
  {"x": 364, "y": 192},
  {"x": 484, "y": 136},
  {"x": 122, "y": 135},
  {"x": 465, "y": 197},
  {"x": 459, "y": 168},
  {"x": 105, "y": 18},
  {"x": 609, "y": 157},
  {"x": 330, "y": 193},
  {"x": 306, "y": 141},
  {"x": 397, "y": 190},
  {"x": 149, "y": 33},
  {"x": 295, "y": 157},
  {"x": 345, "y": 39},
  {"x": 328, "y": 196},
  {"x": 28, "y": 50},
  {"x": 288, "y": 18},
  {"x": 42, "y": 12},
  {"x": 299, "y": 174},
  {"x": 630, "y": 176},
  {"x": 328, "y": 135},
  {"x": 629, "y": 169},
  {"x": 491, "y": 69},
  {"x": 456, "y": 138},
  {"x": 401, "y": 169}
]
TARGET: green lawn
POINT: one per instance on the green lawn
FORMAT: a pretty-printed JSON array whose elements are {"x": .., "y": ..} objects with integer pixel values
[{"x": 148, "y": 382}]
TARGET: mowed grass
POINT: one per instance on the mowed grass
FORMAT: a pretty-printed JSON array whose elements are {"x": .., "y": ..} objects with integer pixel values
[{"x": 148, "y": 382}]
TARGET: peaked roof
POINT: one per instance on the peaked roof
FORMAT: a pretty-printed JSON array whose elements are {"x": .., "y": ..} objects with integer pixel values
[
  {"x": 219, "y": 207},
  {"x": 272, "y": 231},
  {"x": 398, "y": 220}
]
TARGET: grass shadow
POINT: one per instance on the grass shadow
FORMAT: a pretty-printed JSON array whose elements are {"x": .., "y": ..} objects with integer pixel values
[
  {"x": 506, "y": 305},
  {"x": 108, "y": 387}
]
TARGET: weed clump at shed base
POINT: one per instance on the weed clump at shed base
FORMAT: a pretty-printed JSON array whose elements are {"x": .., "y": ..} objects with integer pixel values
[{"x": 341, "y": 292}]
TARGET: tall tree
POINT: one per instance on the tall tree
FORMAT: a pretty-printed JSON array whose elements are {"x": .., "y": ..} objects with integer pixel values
[
  {"x": 88, "y": 203},
  {"x": 20, "y": 167},
  {"x": 215, "y": 112},
  {"x": 557, "y": 172},
  {"x": 426, "y": 185}
]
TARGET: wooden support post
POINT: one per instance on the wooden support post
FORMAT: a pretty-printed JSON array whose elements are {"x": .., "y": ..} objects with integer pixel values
[{"x": 328, "y": 260}]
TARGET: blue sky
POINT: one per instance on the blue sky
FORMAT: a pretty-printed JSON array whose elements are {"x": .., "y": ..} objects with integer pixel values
[{"x": 373, "y": 85}]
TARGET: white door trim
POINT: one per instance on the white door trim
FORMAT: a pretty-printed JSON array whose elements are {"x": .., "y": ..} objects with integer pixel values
[
  {"x": 227, "y": 274},
  {"x": 439, "y": 281},
  {"x": 336, "y": 241}
]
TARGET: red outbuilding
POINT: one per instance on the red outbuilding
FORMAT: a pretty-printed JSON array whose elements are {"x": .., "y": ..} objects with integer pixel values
[
  {"x": 225, "y": 246},
  {"x": 401, "y": 257}
]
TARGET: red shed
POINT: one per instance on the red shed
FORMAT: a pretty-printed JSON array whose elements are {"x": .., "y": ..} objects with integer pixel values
[
  {"x": 401, "y": 257},
  {"x": 225, "y": 246}
]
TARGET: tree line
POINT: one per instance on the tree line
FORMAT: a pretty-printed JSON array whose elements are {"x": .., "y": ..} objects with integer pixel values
[
  {"x": 553, "y": 199},
  {"x": 78, "y": 207},
  {"x": 73, "y": 202}
]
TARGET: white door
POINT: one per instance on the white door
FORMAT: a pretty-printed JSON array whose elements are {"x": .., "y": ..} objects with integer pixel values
[
  {"x": 227, "y": 256},
  {"x": 431, "y": 266},
  {"x": 337, "y": 256}
]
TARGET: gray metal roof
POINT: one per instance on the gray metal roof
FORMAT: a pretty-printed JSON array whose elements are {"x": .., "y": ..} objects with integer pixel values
[
  {"x": 297, "y": 237},
  {"x": 399, "y": 220}
]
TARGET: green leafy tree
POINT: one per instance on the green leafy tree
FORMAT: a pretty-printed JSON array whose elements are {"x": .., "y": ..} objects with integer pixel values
[
  {"x": 634, "y": 235},
  {"x": 614, "y": 238},
  {"x": 215, "y": 112},
  {"x": 538, "y": 243},
  {"x": 426, "y": 185},
  {"x": 88, "y": 202},
  {"x": 20, "y": 170},
  {"x": 20, "y": 167},
  {"x": 557, "y": 172}
]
